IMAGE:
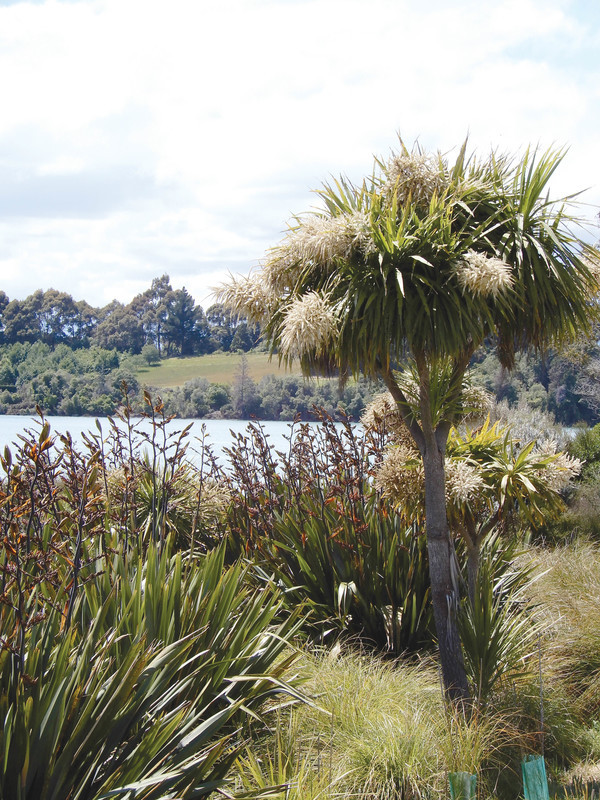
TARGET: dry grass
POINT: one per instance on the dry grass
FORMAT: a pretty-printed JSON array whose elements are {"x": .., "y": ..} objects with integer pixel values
[{"x": 568, "y": 595}]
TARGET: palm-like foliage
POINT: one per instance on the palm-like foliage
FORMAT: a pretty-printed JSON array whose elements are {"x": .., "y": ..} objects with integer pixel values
[
  {"x": 424, "y": 261},
  {"x": 518, "y": 484},
  {"x": 498, "y": 632}
]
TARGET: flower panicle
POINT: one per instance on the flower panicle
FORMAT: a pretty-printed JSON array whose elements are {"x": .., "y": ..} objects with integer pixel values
[
  {"x": 321, "y": 240},
  {"x": 400, "y": 477},
  {"x": 382, "y": 414},
  {"x": 310, "y": 326},
  {"x": 482, "y": 275},
  {"x": 248, "y": 296},
  {"x": 415, "y": 177},
  {"x": 464, "y": 481},
  {"x": 560, "y": 469}
]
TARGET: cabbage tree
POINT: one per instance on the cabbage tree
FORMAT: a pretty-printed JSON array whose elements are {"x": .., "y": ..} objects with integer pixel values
[{"x": 421, "y": 263}]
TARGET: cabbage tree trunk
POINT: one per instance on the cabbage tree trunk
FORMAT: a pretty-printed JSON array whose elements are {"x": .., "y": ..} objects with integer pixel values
[
  {"x": 443, "y": 573},
  {"x": 443, "y": 568}
]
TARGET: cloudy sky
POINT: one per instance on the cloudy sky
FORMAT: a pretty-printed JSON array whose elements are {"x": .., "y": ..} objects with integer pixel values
[{"x": 143, "y": 137}]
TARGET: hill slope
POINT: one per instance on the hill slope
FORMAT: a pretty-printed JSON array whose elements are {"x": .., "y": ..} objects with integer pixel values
[{"x": 216, "y": 367}]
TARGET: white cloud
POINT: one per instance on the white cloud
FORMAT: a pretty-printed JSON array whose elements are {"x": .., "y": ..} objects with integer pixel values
[{"x": 139, "y": 138}]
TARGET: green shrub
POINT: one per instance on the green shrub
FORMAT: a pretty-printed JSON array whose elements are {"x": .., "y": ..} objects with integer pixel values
[
  {"x": 367, "y": 574},
  {"x": 498, "y": 630},
  {"x": 138, "y": 693}
]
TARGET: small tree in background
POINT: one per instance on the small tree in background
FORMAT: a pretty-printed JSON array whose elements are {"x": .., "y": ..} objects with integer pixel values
[
  {"x": 244, "y": 397},
  {"x": 420, "y": 264}
]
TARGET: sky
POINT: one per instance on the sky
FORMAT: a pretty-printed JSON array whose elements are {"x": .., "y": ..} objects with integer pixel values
[{"x": 144, "y": 137}]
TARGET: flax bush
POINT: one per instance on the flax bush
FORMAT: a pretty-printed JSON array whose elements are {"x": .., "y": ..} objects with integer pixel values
[
  {"x": 143, "y": 690},
  {"x": 310, "y": 518},
  {"x": 127, "y": 667}
]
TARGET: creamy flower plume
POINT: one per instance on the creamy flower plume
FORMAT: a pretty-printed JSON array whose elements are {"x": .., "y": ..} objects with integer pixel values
[
  {"x": 281, "y": 268},
  {"x": 561, "y": 468},
  {"x": 319, "y": 240},
  {"x": 382, "y": 414},
  {"x": 400, "y": 478},
  {"x": 323, "y": 239},
  {"x": 415, "y": 176},
  {"x": 483, "y": 275},
  {"x": 248, "y": 297},
  {"x": 464, "y": 481},
  {"x": 310, "y": 325}
]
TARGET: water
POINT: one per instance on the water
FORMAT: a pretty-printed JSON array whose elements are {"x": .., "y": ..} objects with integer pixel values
[{"x": 219, "y": 431}]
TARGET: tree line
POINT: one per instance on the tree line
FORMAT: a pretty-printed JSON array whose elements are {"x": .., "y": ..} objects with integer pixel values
[
  {"x": 561, "y": 382},
  {"x": 71, "y": 358},
  {"x": 164, "y": 321}
]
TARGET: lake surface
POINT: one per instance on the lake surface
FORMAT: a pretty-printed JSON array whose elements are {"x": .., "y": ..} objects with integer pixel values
[{"x": 218, "y": 431}]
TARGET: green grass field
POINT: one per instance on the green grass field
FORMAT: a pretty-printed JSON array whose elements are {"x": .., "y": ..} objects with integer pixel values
[{"x": 217, "y": 368}]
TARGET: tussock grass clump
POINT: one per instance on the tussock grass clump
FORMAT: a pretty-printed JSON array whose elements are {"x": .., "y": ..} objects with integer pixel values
[
  {"x": 373, "y": 730},
  {"x": 376, "y": 729},
  {"x": 385, "y": 722},
  {"x": 568, "y": 594}
]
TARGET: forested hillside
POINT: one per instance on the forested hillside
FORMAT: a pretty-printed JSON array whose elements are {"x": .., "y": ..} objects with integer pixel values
[{"x": 70, "y": 358}]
